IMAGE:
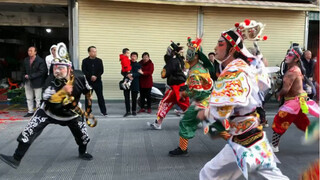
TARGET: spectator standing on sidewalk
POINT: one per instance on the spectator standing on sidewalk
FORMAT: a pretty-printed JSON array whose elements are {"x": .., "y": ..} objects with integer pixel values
[
  {"x": 146, "y": 81},
  {"x": 216, "y": 66},
  {"x": 35, "y": 71},
  {"x": 93, "y": 69},
  {"x": 50, "y": 57},
  {"x": 309, "y": 65},
  {"x": 134, "y": 88}
]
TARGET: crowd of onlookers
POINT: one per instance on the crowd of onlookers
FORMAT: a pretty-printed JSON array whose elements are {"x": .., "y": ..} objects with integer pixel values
[{"x": 137, "y": 77}]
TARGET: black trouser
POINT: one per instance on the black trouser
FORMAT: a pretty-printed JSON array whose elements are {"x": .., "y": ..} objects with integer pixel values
[
  {"x": 97, "y": 87},
  {"x": 39, "y": 121},
  {"x": 134, "y": 95},
  {"x": 145, "y": 93},
  {"x": 262, "y": 114}
]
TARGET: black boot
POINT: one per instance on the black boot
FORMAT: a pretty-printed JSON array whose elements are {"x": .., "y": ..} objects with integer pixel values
[
  {"x": 85, "y": 156},
  {"x": 83, "y": 153},
  {"x": 178, "y": 152},
  {"x": 10, "y": 160}
]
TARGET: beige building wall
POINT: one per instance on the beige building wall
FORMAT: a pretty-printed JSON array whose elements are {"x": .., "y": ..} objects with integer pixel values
[
  {"x": 112, "y": 26},
  {"x": 282, "y": 28}
]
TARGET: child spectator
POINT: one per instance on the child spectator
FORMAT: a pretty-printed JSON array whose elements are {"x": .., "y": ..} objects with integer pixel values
[{"x": 125, "y": 68}]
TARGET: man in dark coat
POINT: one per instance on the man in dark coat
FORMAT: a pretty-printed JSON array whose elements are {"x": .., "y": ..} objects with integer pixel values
[
  {"x": 92, "y": 67},
  {"x": 35, "y": 72}
]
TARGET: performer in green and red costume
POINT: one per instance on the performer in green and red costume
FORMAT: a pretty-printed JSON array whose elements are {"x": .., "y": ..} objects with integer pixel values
[{"x": 199, "y": 86}]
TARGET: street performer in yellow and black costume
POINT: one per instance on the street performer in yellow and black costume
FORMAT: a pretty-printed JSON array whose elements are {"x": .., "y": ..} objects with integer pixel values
[{"x": 60, "y": 106}]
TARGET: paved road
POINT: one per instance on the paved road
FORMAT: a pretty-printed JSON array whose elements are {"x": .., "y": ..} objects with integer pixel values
[{"x": 124, "y": 148}]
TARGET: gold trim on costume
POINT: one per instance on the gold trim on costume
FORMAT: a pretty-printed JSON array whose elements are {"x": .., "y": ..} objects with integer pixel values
[{"x": 248, "y": 141}]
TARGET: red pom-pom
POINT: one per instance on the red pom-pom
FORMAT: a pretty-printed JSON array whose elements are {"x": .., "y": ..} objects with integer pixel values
[
  {"x": 247, "y": 22},
  {"x": 265, "y": 38},
  {"x": 189, "y": 37},
  {"x": 236, "y": 24}
]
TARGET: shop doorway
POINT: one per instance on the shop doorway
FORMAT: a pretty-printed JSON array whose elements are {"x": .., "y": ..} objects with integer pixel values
[{"x": 14, "y": 44}]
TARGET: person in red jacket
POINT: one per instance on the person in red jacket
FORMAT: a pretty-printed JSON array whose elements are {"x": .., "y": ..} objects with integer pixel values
[
  {"x": 146, "y": 81},
  {"x": 125, "y": 68}
]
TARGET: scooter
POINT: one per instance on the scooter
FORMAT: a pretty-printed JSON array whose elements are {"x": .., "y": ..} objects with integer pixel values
[{"x": 157, "y": 93}]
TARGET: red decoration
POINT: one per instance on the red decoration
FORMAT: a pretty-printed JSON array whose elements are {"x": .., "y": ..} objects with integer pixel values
[
  {"x": 247, "y": 22},
  {"x": 265, "y": 38},
  {"x": 236, "y": 24},
  {"x": 196, "y": 42}
]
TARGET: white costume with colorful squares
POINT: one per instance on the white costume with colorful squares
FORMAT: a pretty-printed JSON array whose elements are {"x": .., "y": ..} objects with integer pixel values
[{"x": 233, "y": 102}]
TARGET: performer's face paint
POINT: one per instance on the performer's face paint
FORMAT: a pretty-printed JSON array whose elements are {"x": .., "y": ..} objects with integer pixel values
[
  {"x": 60, "y": 71},
  {"x": 190, "y": 54},
  {"x": 221, "y": 50},
  {"x": 290, "y": 57}
]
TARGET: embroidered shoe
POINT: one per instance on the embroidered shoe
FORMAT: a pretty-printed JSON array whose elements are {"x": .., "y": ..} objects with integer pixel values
[
  {"x": 178, "y": 152},
  {"x": 10, "y": 161},
  {"x": 154, "y": 125},
  {"x": 141, "y": 110}
]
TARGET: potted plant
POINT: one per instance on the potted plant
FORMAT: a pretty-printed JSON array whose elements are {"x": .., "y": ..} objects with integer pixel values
[{"x": 16, "y": 96}]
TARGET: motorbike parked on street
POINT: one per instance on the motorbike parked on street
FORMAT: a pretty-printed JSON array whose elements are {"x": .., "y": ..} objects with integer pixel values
[{"x": 157, "y": 92}]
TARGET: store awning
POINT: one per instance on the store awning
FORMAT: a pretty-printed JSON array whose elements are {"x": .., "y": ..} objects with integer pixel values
[
  {"x": 234, "y": 3},
  {"x": 313, "y": 16},
  {"x": 42, "y": 2}
]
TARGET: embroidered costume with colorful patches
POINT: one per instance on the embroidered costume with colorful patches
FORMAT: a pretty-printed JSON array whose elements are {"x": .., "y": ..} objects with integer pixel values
[
  {"x": 61, "y": 98},
  {"x": 199, "y": 86},
  {"x": 297, "y": 103},
  {"x": 232, "y": 112},
  {"x": 173, "y": 71}
]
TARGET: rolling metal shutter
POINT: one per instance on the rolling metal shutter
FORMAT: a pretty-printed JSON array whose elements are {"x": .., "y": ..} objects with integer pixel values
[
  {"x": 282, "y": 28},
  {"x": 112, "y": 26}
]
